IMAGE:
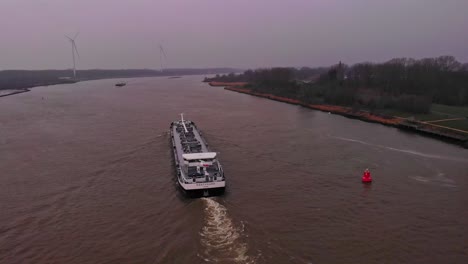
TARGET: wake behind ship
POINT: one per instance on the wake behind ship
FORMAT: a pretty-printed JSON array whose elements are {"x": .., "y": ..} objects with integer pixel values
[{"x": 199, "y": 172}]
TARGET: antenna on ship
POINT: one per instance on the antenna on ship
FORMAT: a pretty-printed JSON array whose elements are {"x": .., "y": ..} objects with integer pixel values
[
  {"x": 183, "y": 122},
  {"x": 74, "y": 49}
]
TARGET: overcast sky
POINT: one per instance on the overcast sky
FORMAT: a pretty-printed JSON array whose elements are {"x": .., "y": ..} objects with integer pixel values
[{"x": 232, "y": 33}]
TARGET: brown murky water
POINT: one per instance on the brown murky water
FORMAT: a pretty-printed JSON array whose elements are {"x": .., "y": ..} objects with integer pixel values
[{"x": 86, "y": 177}]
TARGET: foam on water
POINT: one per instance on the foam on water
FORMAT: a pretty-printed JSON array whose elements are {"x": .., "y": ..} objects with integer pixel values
[
  {"x": 222, "y": 241},
  {"x": 439, "y": 179},
  {"x": 407, "y": 151}
]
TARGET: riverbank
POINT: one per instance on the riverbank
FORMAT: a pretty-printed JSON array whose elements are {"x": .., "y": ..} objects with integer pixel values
[
  {"x": 456, "y": 136},
  {"x": 20, "y": 81},
  {"x": 334, "y": 109},
  {"x": 28, "y": 87},
  {"x": 227, "y": 84},
  {"x": 4, "y": 93}
]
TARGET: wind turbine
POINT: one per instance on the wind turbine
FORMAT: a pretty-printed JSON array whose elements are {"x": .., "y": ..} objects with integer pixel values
[
  {"x": 162, "y": 53},
  {"x": 74, "y": 49}
]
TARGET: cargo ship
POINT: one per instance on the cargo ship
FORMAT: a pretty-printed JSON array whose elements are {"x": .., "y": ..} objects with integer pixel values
[{"x": 199, "y": 173}]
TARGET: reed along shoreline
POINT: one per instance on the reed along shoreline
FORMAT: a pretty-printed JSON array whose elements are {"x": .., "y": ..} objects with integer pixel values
[{"x": 443, "y": 133}]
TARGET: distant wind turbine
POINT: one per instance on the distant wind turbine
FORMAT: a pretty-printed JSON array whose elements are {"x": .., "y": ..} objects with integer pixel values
[
  {"x": 162, "y": 53},
  {"x": 74, "y": 49}
]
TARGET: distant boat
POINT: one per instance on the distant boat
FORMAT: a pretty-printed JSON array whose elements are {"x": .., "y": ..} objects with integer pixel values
[
  {"x": 120, "y": 84},
  {"x": 174, "y": 77}
]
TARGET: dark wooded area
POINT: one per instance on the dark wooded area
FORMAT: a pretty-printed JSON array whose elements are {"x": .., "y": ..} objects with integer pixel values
[{"x": 403, "y": 84}]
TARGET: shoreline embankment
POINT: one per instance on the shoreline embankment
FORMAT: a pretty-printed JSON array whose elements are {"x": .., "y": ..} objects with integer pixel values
[
  {"x": 15, "y": 91},
  {"x": 27, "y": 88},
  {"x": 444, "y": 133}
]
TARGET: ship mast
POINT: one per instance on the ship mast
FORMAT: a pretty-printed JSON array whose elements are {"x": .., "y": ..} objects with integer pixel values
[{"x": 183, "y": 122}]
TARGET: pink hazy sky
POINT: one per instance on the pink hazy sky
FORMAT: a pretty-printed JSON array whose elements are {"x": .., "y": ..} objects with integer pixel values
[{"x": 225, "y": 33}]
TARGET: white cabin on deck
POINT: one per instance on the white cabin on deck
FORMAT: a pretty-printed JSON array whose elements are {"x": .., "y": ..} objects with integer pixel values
[{"x": 203, "y": 159}]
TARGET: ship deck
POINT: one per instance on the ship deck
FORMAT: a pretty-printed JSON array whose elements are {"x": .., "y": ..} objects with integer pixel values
[{"x": 178, "y": 143}]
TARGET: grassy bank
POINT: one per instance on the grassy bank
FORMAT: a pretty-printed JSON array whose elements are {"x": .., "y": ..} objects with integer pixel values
[{"x": 454, "y": 117}]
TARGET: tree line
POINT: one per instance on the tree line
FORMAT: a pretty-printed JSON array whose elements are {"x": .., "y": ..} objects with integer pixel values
[{"x": 403, "y": 83}]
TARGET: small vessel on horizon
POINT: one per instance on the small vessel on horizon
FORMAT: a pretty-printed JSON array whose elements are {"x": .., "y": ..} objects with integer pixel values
[
  {"x": 120, "y": 84},
  {"x": 199, "y": 172}
]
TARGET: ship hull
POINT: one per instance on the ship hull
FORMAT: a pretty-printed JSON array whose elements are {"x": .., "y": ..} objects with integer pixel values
[
  {"x": 187, "y": 186},
  {"x": 197, "y": 193}
]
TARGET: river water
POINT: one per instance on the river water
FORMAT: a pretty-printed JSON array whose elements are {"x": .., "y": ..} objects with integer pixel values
[{"x": 87, "y": 177}]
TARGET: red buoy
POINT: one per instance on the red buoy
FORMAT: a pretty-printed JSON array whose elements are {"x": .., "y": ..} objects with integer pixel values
[{"x": 366, "y": 177}]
